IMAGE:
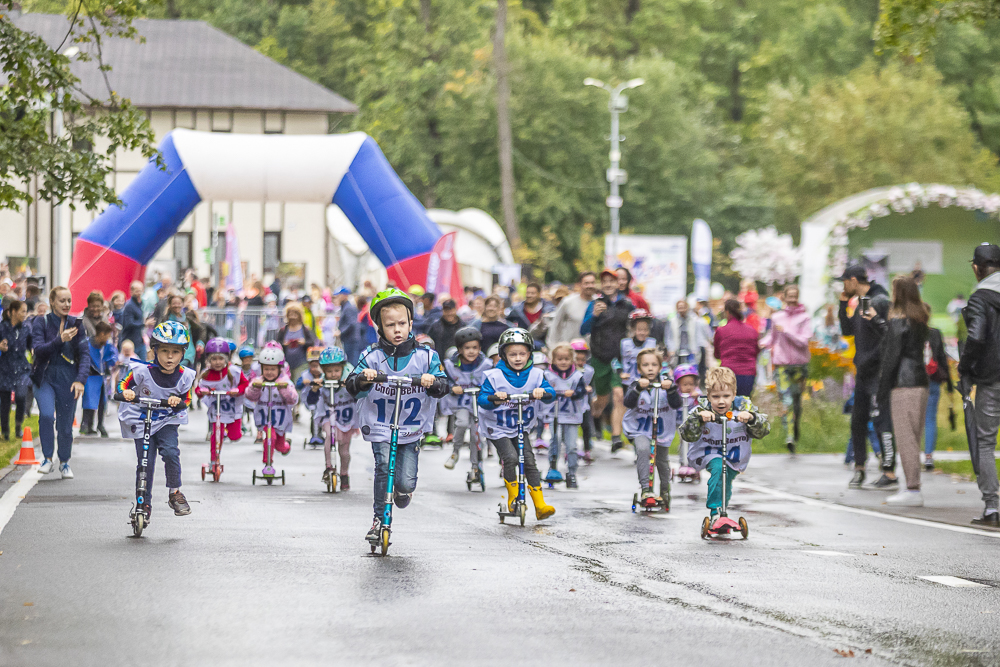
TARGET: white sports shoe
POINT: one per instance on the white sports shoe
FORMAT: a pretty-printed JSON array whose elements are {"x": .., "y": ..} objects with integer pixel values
[
  {"x": 906, "y": 498},
  {"x": 68, "y": 474},
  {"x": 46, "y": 467}
]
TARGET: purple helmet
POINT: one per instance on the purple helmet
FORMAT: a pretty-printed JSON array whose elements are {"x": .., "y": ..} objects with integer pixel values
[
  {"x": 684, "y": 370},
  {"x": 217, "y": 346}
]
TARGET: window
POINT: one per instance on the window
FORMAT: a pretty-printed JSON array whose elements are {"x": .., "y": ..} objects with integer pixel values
[
  {"x": 222, "y": 121},
  {"x": 182, "y": 250},
  {"x": 272, "y": 250}
]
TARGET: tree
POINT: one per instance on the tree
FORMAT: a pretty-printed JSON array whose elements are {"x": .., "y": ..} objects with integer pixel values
[
  {"x": 49, "y": 125},
  {"x": 910, "y": 26},
  {"x": 503, "y": 126},
  {"x": 869, "y": 129}
]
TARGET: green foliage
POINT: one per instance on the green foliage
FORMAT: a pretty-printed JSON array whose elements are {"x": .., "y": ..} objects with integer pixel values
[
  {"x": 40, "y": 90},
  {"x": 871, "y": 128},
  {"x": 910, "y": 26}
]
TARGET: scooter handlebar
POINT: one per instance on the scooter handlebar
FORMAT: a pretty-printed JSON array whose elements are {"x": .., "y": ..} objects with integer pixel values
[
  {"x": 515, "y": 398},
  {"x": 145, "y": 402},
  {"x": 382, "y": 378},
  {"x": 216, "y": 392},
  {"x": 471, "y": 390}
]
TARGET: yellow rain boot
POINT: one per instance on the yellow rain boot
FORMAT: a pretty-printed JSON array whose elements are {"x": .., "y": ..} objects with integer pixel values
[
  {"x": 542, "y": 510},
  {"x": 511, "y": 494}
]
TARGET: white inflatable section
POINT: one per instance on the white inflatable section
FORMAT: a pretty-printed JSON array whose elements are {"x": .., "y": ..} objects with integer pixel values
[
  {"x": 483, "y": 234},
  {"x": 267, "y": 167}
]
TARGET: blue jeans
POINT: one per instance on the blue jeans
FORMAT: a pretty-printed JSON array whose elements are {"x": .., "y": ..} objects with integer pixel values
[
  {"x": 406, "y": 472},
  {"x": 931, "y": 419},
  {"x": 164, "y": 441},
  {"x": 714, "y": 468},
  {"x": 56, "y": 408}
]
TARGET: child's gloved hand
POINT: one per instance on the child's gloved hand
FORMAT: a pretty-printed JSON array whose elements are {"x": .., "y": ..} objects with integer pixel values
[
  {"x": 538, "y": 393},
  {"x": 457, "y": 390},
  {"x": 258, "y": 382},
  {"x": 623, "y": 376},
  {"x": 426, "y": 380},
  {"x": 234, "y": 392},
  {"x": 280, "y": 385},
  {"x": 706, "y": 416},
  {"x": 568, "y": 393},
  {"x": 128, "y": 395},
  {"x": 501, "y": 396},
  {"x": 370, "y": 374},
  {"x": 174, "y": 401},
  {"x": 744, "y": 417},
  {"x": 666, "y": 383},
  {"x": 643, "y": 383}
]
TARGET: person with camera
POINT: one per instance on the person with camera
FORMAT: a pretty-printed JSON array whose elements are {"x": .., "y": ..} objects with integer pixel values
[{"x": 873, "y": 306}]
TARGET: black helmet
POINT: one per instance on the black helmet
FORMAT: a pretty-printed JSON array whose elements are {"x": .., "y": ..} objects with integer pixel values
[{"x": 467, "y": 335}]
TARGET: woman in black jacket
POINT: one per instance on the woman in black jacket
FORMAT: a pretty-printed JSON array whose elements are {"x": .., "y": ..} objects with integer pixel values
[
  {"x": 903, "y": 381},
  {"x": 15, "y": 340}
]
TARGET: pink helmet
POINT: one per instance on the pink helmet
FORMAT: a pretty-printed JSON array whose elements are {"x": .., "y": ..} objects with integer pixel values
[
  {"x": 217, "y": 346},
  {"x": 685, "y": 370},
  {"x": 579, "y": 345},
  {"x": 273, "y": 344}
]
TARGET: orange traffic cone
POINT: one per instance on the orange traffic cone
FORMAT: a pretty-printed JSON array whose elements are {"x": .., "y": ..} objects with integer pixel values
[{"x": 27, "y": 456}]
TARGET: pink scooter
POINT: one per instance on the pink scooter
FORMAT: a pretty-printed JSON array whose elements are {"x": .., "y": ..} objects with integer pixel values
[{"x": 724, "y": 525}]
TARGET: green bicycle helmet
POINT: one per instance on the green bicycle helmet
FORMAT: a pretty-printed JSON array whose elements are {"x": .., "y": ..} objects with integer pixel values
[{"x": 386, "y": 298}]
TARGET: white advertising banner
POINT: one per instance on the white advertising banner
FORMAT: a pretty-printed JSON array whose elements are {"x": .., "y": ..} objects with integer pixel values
[{"x": 658, "y": 265}]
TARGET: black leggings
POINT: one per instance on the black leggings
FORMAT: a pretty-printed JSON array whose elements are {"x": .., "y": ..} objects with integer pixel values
[
  {"x": 20, "y": 401},
  {"x": 508, "y": 456}
]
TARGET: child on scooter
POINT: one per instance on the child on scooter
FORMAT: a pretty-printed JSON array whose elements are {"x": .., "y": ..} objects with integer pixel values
[
  {"x": 395, "y": 353},
  {"x": 545, "y": 413},
  {"x": 341, "y": 416},
  {"x": 581, "y": 355},
  {"x": 570, "y": 386},
  {"x": 222, "y": 376},
  {"x": 686, "y": 379},
  {"x": 250, "y": 369},
  {"x": 164, "y": 378},
  {"x": 515, "y": 374},
  {"x": 466, "y": 369},
  {"x": 281, "y": 397},
  {"x": 703, "y": 430},
  {"x": 302, "y": 385},
  {"x": 639, "y": 323},
  {"x": 638, "y": 423}
]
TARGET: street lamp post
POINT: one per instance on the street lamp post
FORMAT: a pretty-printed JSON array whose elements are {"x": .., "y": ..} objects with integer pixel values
[{"x": 616, "y": 176}]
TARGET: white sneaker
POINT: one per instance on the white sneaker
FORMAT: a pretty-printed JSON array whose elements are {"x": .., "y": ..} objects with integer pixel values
[
  {"x": 68, "y": 474},
  {"x": 46, "y": 467},
  {"x": 906, "y": 498},
  {"x": 452, "y": 460}
]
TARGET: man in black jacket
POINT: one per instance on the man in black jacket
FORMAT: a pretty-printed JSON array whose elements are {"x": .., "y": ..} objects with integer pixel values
[
  {"x": 980, "y": 366},
  {"x": 868, "y": 345},
  {"x": 443, "y": 331},
  {"x": 133, "y": 321},
  {"x": 606, "y": 321}
]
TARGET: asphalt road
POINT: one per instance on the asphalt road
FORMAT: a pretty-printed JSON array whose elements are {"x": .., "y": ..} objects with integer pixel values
[{"x": 281, "y": 575}]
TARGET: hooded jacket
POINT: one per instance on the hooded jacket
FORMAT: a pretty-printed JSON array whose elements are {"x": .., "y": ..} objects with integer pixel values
[
  {"x": 980, "y": 361},
  {"x": 790, "y": 346},
  {"x": 398, "y": 357},
  {"x": 607, "y": 329}
]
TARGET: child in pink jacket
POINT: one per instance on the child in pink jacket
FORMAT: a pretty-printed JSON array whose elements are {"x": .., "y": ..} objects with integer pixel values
[
  {"x": 277, "y": 400},
  {"x": 788, "y": 339}
]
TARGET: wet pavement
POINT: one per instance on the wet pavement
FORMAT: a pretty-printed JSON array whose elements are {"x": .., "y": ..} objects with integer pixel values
[{"x": 282, "y": 575}]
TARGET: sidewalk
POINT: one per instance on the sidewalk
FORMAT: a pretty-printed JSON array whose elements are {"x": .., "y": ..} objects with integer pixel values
[{"x": 947, "y": 498}]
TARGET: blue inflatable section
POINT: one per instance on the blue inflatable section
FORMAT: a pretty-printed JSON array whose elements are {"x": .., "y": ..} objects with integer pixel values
[
  {"x": 156, "y": 201},
  {"x": 389, "y": 218}
]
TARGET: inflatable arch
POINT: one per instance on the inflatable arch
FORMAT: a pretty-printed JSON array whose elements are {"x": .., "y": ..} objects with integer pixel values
[{"x": 348, "y": 170}]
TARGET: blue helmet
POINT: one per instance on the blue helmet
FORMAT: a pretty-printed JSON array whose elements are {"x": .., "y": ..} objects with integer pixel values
[
  {"x": 332, "y": 355},
  {"x": 246, "y": 351},
  {"x": 231, "y": 343},
  {"x": 169, "y": 333}
]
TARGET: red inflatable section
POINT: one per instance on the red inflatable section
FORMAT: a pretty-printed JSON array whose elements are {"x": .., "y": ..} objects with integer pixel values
[
  {"x": 95, "y": 265},
  {"x": 413, "y": 271}
]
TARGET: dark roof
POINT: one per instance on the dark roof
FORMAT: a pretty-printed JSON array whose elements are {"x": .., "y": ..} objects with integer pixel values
[{"x": 190, "y": 64}]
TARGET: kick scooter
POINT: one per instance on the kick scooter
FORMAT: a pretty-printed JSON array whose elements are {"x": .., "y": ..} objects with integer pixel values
[
  {"x": 475, "y": 475},
  {"x": 267, "y": 472},
  {"x": 332, "y": 478},
  {"x": 724, "y": 525},
  {"x": 398, "y": 381},
  {"x": 139, "y": 516},
  {"x": 651, "y": 503},
  {"x": 520, "y": 504},
  {"x": 215, "y": 467},
  {"x": 685, "y": 473}
]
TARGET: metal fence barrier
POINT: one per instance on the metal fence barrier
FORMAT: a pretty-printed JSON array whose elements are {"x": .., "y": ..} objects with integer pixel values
[{"x": 255, "y": 326}]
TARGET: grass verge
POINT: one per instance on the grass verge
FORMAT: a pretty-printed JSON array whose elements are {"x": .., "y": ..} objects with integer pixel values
[{"x": 8, "y": 448}]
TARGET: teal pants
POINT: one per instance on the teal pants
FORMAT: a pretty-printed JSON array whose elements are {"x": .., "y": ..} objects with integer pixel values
[{"x": 714, "y": 468}]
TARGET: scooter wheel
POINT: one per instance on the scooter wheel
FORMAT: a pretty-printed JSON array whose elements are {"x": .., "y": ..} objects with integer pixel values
[
  {"x": 385, "y": 541},
  {"x": 522, "y": 511},
  {"x": 216, "y": 474},
  {"x": 635, "y": 501},
  {"x": 482, "y": 483},
  {"x": 468, "y": 485},
  {"x": 270, "y": 480},
  {"x": 203, "y": 473},
  {"x": 255, "y": 478},
  {"x": 138, "y": 523},
  {"x": 705, "y": 526},
  {"x": 282, "y": 477},
  {"x": 744, "y": 528}
]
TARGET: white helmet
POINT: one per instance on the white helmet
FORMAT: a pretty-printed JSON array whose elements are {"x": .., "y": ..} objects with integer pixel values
[{"x": 271, "y": 356}]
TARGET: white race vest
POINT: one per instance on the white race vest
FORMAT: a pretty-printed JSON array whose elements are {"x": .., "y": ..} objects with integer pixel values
[
  {"x": 131, "y": 416},
  {"x": 230, "y": 406},
  {"x": 567, "y": 410},
  {"x": 501, "y": 421},
  {"x": 417, "y": 409},
  {"x": 281, "y": 414},
  {"x": 639, "y": 420},
  {"x": 709, "y": 446},
  {"x": 343, "y": 414},
  {"x": 630, "y": 353},
  {"x": 465, "y": 379}
]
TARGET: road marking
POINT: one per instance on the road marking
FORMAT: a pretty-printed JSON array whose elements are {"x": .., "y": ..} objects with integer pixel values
[
  {"x": 957, "y": 582},
  {"x": 829, "y": 553},
  {"x": 15, "y": 494},
  {"x": 854, "y": 510}
]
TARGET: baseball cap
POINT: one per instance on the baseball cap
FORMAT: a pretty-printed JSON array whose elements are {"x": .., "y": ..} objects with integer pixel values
[
  {"x": 855, "y": 271},
  {"x": 609, "y": 272},
  {"x": 986, "y": 254}
]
